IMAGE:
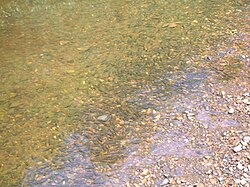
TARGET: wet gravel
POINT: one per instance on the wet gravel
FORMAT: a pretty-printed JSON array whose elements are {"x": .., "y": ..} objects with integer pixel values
[{"x": 198, "y": 131}]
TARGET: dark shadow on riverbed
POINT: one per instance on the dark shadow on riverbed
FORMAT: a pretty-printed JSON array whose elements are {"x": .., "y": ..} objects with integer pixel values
[{"x": 106, "y": 153}]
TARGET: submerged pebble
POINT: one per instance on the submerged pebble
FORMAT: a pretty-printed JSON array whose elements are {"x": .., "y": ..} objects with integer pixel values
[
  {"x": 231, "y": 110},
  {"x": 238, "y": 148},
  {"x": 103, "y": 118}
]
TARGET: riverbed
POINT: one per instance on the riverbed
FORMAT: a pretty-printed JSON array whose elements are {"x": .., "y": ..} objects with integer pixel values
[{"x": 116, "y": 93}]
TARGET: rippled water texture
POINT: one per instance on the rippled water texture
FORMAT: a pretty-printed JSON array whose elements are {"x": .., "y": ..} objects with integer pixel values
[{"x": 64, "y": 63}]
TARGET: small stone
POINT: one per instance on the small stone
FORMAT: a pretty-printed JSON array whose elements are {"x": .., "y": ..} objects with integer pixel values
[
  {"x": 243, "y": 181},
  {"x": 183, "y": 181},
  {"x": 245, "y": 170},
  {"x": 240, "y": 166},
  {"x": 238, "y": 148},
  {"x": 207, "y": 157},
  {"x": 164, "y": 182},
  {"x": 208, "y": 58},
  {"x": 246, "y": 101},
  {"x": 191, "y": 116},
  {"x": 246, "y": 94},
  {"x": 243, "y": 143},
  {"x": 127, "y": 184},
  {"x": 246, "y": 175},
  {"x": 213, "y": 181},
  {"x": 220, "y": 179},
  {"x": 178, "y": 181},
  {"x": 171, "y": 181},
  {"x": 209, "y": 172},
  {"x": 230, "y": 182},
  {"x": 246, "y": 139},
  {"x": 166, "y": 175},
  {"x": 231, "y": 110},
  {"x": 200, "y": 185},
  {"x": 145, "y": 172},
  {"x": 237, "y": 181},
  {"x": 103, "y": 118}
]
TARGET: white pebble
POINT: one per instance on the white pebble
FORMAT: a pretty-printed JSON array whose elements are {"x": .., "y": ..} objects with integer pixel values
[
  {"x": 237, "y": 181},
  {"x": 240, "y": 166},
  {"x": 223, "y": 94},
  {"x": 245, "y": 170},
  {"x": 231, "y": 111},
  {"x": 220, "y": 178},
  {"x": 243, "y": 182},
  {"x": 246, "y": 101},
  {"x": 246, "y": 94},
  {"x": 166, "y": 181},
  {"x": 237, "y": 148},
  {"x": 246, "y": 175},
  {"x": 246, "y": 139},
  {"x": 145, "y": 172},
  {"x": 103, "y": 118},
  {"x": 243, "y": 143}
]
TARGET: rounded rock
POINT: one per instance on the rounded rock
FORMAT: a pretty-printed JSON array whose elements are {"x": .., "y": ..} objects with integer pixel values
[{"x": 231, "y": 110}]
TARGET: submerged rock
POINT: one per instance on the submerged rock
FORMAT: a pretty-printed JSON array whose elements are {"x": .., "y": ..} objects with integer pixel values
[
  {"x": 165, "y": 182},
  {"x": 237, "y": 148},
  {"x": 103, "y": 118},
  {"x": 231, "y": 110}
]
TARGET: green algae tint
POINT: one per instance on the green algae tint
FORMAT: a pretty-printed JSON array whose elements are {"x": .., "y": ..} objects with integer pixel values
[{"x": 62, "y": 60}]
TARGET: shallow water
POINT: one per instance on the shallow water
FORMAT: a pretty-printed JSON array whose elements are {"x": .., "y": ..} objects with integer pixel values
[{"x": 65, "y": 63}]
